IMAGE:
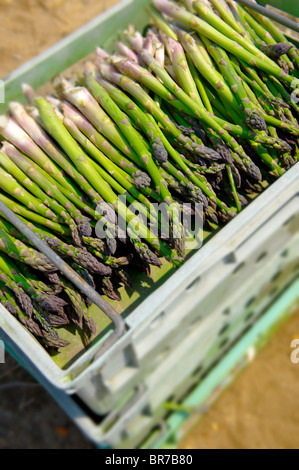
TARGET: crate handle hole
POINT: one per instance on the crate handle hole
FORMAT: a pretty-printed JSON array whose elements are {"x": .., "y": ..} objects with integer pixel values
[
  {"x": 224, "y": 329},
  {"x": 239, "y": 267},
  {"x": 193, "y": 284},
  {"x": 249, "y": 316},
  {"x": 276, "y": 276},
  {"x": 261, "y": 257},
  {"x": 250, "y": 302},
  {"x": 156, "y": 322},
  {"x": 274, "y": 291},
  {"x": 223, "y": 343},
  {"x": 227, "y": 312},
  {"x": 289, "y": 221},
  {"x": 285, "y": 253}
]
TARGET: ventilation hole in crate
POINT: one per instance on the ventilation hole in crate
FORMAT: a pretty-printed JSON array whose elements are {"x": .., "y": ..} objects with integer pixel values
[
  {"x": 198, "y": 371},
  {"x": 250, "y": 302},
  {"x": 224, "y": 329},
  {"x": 154, "y": 434},
  {"x": 156, "y": 322},
  {"x": 193, "y": 284},
  {"x": 196, "y": 321},
  {"x": 229, "y": 259},
  {"x": 227, "y": 312},
  {"x": 223, "y": 343},
  {"x": 261, "y": 257},
  {"x": 289, "y": 221},
  {"x": 238, "y": 268},
  {"x": 276, "y": 276},
  {"x": 249, "y": 316},
  {"x": 171, "y": 399},
  {"x": 274, "y": 291},
  {"x": 285, "y": 253},
  {"x": 162, "y": 354}
]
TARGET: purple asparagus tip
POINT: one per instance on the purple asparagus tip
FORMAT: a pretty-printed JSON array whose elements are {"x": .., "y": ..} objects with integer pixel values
[
  {"x": 275, "y": 51},
  {"x": 29, "y": 93},
  {"x": 256, "y": 122},
  {"x": 164, "y": 6},
  {"x": 135, "y": 38},
  {"x": 102, "y": 54},
  {"x": 160, "y": 152},
  {"x": 141, "y": 180},
  {"x": 126, "y": 51}
]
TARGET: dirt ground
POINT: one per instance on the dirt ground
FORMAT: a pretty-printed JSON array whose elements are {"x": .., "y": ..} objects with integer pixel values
[
  {"x": 259, "y": 411},
  {"x": 28, "y": 27}
]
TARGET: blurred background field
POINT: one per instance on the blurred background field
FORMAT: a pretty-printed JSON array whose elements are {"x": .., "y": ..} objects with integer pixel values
[{"x": 260, "y": 410}]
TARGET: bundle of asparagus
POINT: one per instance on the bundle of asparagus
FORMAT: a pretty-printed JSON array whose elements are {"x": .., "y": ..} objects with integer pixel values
[{"x": 197, "y": 110}]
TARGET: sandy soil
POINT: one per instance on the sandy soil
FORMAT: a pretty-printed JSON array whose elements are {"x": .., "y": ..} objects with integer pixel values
[
  {"x": 261, "y": 408},
  {"x": 28, "y": 27}
]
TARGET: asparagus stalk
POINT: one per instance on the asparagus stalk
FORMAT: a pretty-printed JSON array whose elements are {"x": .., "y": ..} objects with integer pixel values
[
  {"x": 54, "y": 198},
  {"x": 160, "y": 23},
  {"x": 50, "y": 303},
  {"x": 20, "y": 252},
  {"x": 42, "y": 139},
  {"x": 12, "y": 187},
  {"x": 20, "y": 210},
  {"x": 101, "y": 95},
  {"x": 58, "y": 131},
  {"x": 194, "y": 109},
  {"x": 278, "y": 35},
  {"x": 268, "y": 44},
  {"x": 190, "y": 20},
  {"x": 140, "y": 179},
  {"x": 210, "y": 17},
  {"x": 80, "y": 256},
  {"x": 126, "y": 51},
  {"x": 253, "y": 119},
  {"x": 151, "y": 106},
  {"x": 145, "y": 100},
  {"x": 36, "y": 283},
  {"x": 50, "y": 337},
  {"x": 83, "y": 100},
  {"x": 9, "y": 301},
  {"x": 77, "y": 307},
  {"x": 10, "y": 131},
  {"x": 181, "y": 68},
  {"x": 227, "y": 15},
  {"x": 9, "y": 154},
  {"x": 113, "y": 170},
  {"x": 22, "y": 298}
]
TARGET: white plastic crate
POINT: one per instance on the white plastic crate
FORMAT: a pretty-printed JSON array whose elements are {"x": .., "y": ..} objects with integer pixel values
[
  {"x": 195, "y": 378},
  {"x": 205, "y": 284},
  {"x": 226, "y": 275}
]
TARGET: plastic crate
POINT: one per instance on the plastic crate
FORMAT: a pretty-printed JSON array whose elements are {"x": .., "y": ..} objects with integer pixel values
[
  {"x": 226, "y": 264},
  {"x": 289, "y": 6},
  {"x": 147, "y": 421}
]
